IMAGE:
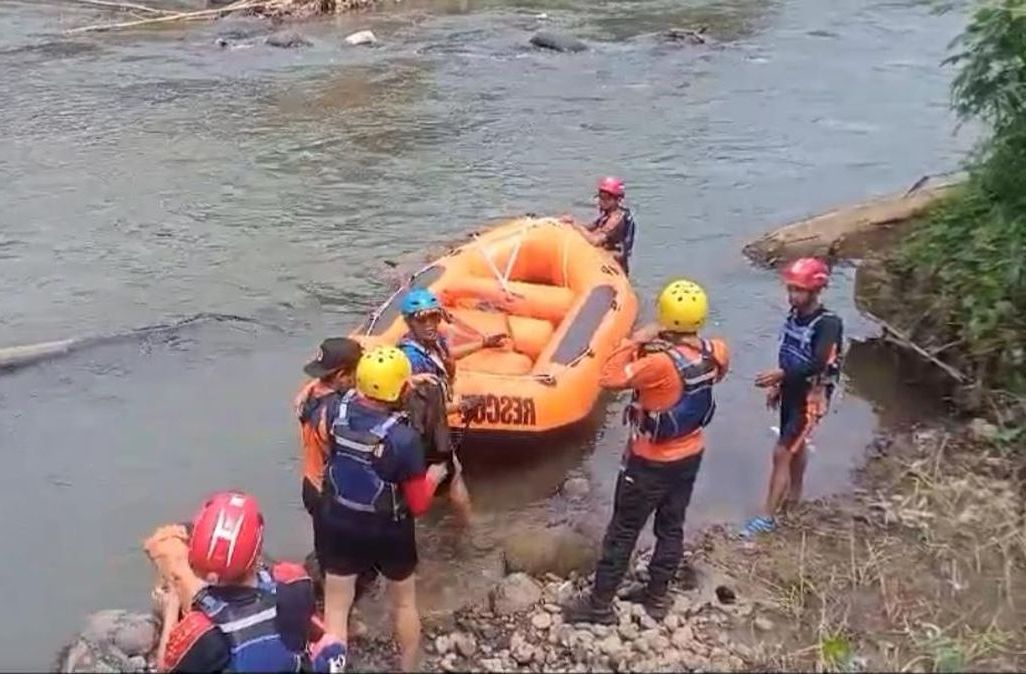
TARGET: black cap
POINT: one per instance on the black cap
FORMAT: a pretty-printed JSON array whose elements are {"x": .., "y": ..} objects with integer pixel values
[{"x": 336, "y": 353}]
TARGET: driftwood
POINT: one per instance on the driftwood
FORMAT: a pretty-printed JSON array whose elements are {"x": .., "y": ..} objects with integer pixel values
[
  {"x": 898, "y": 337},
  {"x": 126, "y": 7},
  {"x": 850, "y": 231},
  {"x": 180, "y": 16}
]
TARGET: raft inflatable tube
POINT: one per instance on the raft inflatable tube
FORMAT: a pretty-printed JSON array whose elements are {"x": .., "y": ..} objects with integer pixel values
[{"x": 565, "y": 303}]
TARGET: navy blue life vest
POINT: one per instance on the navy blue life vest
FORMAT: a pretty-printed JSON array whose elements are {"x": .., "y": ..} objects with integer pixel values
[
  {"x": 796, "y": 347},
  {"x": 622, "y": 246},
  {"x": 695, "y": 407},
  {"x": 352, "y": 480},
  {"x": 251, "y": 629}
]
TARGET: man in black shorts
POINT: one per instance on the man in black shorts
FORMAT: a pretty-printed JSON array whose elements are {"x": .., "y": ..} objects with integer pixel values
[
  {"x": 375, "y": 484},
  {"x": 808, "y": 367}
]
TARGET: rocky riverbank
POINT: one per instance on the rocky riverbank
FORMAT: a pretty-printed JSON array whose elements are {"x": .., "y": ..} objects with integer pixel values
[{"x": 918, "y": 569}]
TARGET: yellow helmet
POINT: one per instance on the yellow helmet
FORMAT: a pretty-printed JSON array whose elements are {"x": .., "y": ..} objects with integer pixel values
[
  {"x": 382, "y": 372},
  {"x": 683, "y": 306}
]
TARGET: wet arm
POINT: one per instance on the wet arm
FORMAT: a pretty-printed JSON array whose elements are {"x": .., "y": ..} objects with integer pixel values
[{"x": 466, "y": 349}]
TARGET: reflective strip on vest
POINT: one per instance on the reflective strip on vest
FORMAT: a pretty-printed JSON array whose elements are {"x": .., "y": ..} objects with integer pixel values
[{"x": 249, "y": 621}]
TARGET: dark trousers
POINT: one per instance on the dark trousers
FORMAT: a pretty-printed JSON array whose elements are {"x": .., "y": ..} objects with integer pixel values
[{"x": 642, "y": 488}]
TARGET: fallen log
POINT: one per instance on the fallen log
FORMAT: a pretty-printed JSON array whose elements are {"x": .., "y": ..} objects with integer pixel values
[
  {"x": 898, "y": 337},
  {"x": 126, "y": 7},
  {"x": 180, "y": 16},
  {"x": 851, "y": 231}
]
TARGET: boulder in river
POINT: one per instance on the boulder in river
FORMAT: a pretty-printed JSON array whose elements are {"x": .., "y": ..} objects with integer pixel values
[
  {"x": 575, "y": 488},
  {"x": 362, "y": 37},
  {"x": 557, "y": 42},
  {"x": 557, "y": 550},
  {"x": 690, "y": 36},
  {"x": 516, "y": 592},
  {"x": 287, "y": 40},
  {"x": 112, "y": 641}
]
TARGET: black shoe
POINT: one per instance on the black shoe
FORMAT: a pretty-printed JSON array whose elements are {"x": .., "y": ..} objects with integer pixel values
[
  {"x": 656, "y": 605},
  {"x": 586, "y": 609},
  {"x": 687, "y": 577}
]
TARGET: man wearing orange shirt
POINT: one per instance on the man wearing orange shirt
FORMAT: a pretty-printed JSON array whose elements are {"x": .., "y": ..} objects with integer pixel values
[{"x": 671, "y": 371}]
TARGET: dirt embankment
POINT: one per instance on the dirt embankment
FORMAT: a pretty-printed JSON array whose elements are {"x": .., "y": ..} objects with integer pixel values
[{"x": 921, "y": 568}]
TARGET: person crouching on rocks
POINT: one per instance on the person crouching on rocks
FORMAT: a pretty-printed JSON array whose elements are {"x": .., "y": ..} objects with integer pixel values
[
  {"x": 241, "y": 615},
  {"x": 375, "y": 484},
  {"x": 671, "y": 370}
]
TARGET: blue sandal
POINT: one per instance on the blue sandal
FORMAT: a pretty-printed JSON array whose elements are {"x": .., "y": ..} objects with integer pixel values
[{"x": 758, "y": 525}]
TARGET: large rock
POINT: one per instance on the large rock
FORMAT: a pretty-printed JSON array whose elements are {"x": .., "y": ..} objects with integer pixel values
[
  {"x": 556, "y": 42},
  {"x": 982, "y": 430},
  {"x": 287, "y": 40},
  {"x": 558, "y": 550},
  {"x": 362, "y": 37},
  {"x": 515, "y": 593}
]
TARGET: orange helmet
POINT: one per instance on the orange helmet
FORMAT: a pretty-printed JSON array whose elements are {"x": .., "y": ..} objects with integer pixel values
[{"x": 227, "y": 536}]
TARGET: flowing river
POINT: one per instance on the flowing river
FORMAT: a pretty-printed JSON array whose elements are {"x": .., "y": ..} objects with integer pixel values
[{"x": 148, "y": 175}]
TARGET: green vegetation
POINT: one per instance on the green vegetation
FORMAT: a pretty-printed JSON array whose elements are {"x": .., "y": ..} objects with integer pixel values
[{"x": 968, "y": 259}]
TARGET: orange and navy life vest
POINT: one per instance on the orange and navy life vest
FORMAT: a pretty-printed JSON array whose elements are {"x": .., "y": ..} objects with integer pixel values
[
  {"x": 695, "y": 407},
  {"x": 251, "y": 628}
]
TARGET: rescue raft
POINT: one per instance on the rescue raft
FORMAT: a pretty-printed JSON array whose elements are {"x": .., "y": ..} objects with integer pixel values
[{"x": 565, "y": 303}]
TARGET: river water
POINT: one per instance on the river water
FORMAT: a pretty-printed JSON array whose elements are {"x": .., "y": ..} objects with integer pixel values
[{"x": 149, "y": 175}]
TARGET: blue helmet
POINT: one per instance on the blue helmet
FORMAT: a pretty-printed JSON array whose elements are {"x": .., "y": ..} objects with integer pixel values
[{"x": 418, "y": 300}]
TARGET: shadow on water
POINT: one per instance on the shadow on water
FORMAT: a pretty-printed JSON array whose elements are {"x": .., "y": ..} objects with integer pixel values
[{"x": 901, "y": 390}]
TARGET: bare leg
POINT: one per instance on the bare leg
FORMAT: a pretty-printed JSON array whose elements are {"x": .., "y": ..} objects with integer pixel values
[
  {"x": 339, "y": 593},
  {"x": 797, "y": 476},
  {"x": 779, "y": 480},
  {"x": 459, "y": 497},
  {"x": 407, "y": 622}
]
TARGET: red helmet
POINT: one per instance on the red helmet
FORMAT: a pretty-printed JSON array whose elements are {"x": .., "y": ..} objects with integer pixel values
[
  {"x": 807, "y": 273},
  {"x": 611, "y": 185},
  {"x": 227, "y": 535}
]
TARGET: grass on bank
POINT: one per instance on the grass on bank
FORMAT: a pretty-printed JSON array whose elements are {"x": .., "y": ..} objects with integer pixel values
[{"x": 923, "y": 570}]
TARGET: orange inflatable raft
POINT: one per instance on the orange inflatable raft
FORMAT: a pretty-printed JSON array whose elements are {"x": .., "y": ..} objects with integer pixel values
[{"x": 565, "y": 303}]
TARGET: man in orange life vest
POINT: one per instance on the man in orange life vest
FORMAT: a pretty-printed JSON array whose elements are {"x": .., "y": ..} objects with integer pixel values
[
  {"x": 808, "y": 367},
  {"x": 332, "y": 375},
  {"x": 672, "y": 372}
]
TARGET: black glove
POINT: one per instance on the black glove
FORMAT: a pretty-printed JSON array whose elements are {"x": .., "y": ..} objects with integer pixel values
[{"x": 470, "y": 404}]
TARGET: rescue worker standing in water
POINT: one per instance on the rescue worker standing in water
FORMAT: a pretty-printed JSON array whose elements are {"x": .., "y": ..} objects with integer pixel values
[
  {"x": 332, "y": 374},
  {"x": 242, "y": 616},
  {"x": 375, "y": 485},
  {"x": 431, "y": 356},
  {"x": 808, "y": 368},
  {"x": 613, "y": 229},
  {"x": 671, "y": 370}
]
